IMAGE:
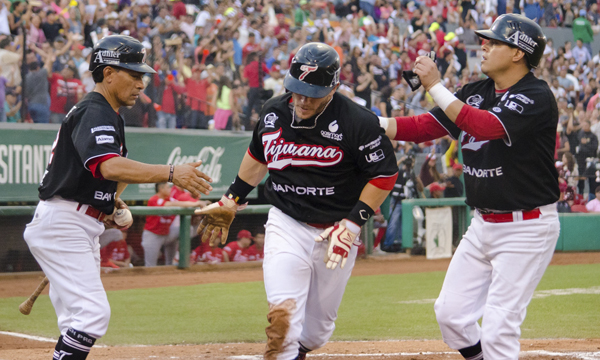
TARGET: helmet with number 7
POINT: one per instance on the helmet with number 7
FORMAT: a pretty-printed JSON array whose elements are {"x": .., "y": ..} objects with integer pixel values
[
  {"x": 120, "y": 51},
  {"x": 521, "y": 32},
  {"x": 314, "y": 72}
]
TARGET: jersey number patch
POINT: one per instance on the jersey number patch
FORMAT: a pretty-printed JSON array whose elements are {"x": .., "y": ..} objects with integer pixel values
[{"x": 307, "y": 70}]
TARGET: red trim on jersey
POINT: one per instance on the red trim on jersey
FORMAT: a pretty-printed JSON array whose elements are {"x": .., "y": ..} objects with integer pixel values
[
  {"x": 252, "y": 156},
  {"x": 419, "y": 128},
  {"x": 481, "y": 124},
  {"x": 94, "y": 165},
  {"x": 501, "y": 91},
  {"x": 385, "y": 182}
]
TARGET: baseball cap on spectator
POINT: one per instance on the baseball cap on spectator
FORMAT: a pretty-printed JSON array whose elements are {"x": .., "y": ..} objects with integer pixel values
[
  {"x": 276, "y": 67},
  {"x": 431, "y": 156},
  {"x": 582, "y": 12},
  {"x": 245, "y": 234},
  {"x": 204, "y": 74},
  {"x": 436, "y": 187},
  {"x": 142, "y": 25},
  {"x": 457, "y": 166}
]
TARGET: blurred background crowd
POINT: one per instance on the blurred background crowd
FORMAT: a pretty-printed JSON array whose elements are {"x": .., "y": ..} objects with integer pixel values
[{"x": 218, "y": 61}]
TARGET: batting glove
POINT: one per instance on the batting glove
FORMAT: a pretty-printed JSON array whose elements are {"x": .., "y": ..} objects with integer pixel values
[
  {"x": 341, "y": 237},
  {"x": 217, "y": 219}
]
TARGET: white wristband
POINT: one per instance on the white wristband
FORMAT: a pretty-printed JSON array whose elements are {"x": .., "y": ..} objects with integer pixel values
[
  {"x": 351, "y": 226},
  {"x": 442, "y": 96},
  {"x": 383, "y": 122}
]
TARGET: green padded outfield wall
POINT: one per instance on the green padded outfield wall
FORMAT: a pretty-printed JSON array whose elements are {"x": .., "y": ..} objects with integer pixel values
[{"x": 25, "y": 149}]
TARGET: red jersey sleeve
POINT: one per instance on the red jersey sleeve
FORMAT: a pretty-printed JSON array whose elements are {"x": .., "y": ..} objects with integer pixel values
[
  {"x": 94, "y": 165},
  {"x": 419, "y": 128}
]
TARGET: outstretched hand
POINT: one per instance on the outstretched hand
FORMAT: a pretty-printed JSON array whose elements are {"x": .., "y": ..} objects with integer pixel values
[
  {"x": 195, "y": 181},
  {"x": 217, "y": 219}
]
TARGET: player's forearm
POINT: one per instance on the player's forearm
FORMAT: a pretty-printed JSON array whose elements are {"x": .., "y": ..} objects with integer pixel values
[
  {"x": 130, "y": 171},
  {"x": 120, "y": 188},
  {"x": 373, "y": 196},
  {"x": 252, "y": 171}
]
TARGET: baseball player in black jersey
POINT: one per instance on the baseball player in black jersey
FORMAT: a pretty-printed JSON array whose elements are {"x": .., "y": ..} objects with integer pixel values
[
  {"x": 87, "y": 172},
  {"x": 507, "y": 127},
  {"x": 330, "y": 167}
]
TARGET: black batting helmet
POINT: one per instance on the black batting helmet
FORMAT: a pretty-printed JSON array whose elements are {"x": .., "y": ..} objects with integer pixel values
[
  {"x": 314, "y": 72},
  {"x": 521, "y": 32},
  {"x": 120, "y": 51}
]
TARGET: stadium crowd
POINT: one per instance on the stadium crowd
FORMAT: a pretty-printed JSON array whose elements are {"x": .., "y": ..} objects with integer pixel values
[{"x": 218, "y": 61}]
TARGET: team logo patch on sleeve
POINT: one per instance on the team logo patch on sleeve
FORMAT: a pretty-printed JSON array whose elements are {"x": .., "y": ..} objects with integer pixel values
[
  {"x": 270, "y": 119},
  {"x": 522, "y": 98},
  {"x": 105, "y": 139},
  {"x": 375, "y": 156},
  {"x": 475, "y": 100},
  {"x": 102, "y": 128}
]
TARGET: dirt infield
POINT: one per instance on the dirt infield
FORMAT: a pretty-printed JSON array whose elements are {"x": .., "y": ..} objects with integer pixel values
[{"x": 24, "y": 349}]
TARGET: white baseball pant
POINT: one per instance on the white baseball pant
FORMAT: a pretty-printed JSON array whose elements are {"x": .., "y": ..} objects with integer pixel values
[
  {"x": 493, "y": 274},
  {"x": 64, "y": 241},
  {"x": 152, "y": 244},
  {"x": 296, "y": 277}
]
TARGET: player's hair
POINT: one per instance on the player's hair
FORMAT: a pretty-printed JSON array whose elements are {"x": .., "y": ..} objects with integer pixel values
[{"x": 98, "y": 74}]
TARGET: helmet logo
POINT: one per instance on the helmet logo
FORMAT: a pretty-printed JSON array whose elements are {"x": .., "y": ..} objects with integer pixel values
[
  {"x": 523, "y": 41},
  {"x": 107, "y": 57},
  {"x": 307, "y": 69},
  {"x": 144, "y": 58}
]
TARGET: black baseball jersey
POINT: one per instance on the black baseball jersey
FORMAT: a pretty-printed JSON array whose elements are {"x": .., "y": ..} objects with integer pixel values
[
  {"x": 91, "y": 129},
  {"x": 319, "y": 166},
  {"x": 515, "y": 173}
]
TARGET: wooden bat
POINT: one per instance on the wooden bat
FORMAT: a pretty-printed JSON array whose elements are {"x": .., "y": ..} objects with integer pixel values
[{"x": 25, "y": 307}]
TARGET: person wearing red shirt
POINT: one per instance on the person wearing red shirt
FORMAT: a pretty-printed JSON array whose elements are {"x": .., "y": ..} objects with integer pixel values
[
  {"x": 156, "y": 230},
  {"x": 167, "y": 118},
  {"x": 115, "y": 254},
  {"x": 65, "y": 91},
  {"x": 282, "y": 30},
  {"x": 208, "y": 254},
  {"x": 237, "y": 251},
  {"x": 179, "y": 9},
  {"x": 250, "y": 47},
  {"x": 254, "y": 76},
  {"x": 256, "y": 251},
  {"x": 196, "y": 88}
]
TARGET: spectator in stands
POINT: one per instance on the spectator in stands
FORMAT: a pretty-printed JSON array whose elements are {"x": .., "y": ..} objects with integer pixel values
[
  {"x": 65, "y": 91},
  {"x": 36, "y": 92},
  {"x": 587, "y": 148},
  {"x": 53, "y": 24},
  {"x": 582, "y": 30},
  {"x": 237, "y": 251},
  {"x": 196, "y": 88},
  {"x": 253, "y": 75},
  {"x": 565, "y": 201},
  {"x": 570, "y": 169},
  {"x": 156, "y": 230},
  {"x": 436, "y": 190},
  {"x": 594, "y": 205},
  {"x": 429, "y": 172},
  {"x": 226, "y": 114},
  {"x": 12, "y": 107},
  {"x": 581, "y": 54},
  {"x": 275, "y": 81},
  {"x": 454, "y": 187},
  {"x": 167, "y": 118}
]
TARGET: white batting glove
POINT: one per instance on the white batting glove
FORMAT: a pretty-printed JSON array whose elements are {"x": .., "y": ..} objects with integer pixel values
[{"x": 341, "y": 237}]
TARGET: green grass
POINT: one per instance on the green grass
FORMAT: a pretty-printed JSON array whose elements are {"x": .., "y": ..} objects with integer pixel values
[{"x": 371, "y": 310}]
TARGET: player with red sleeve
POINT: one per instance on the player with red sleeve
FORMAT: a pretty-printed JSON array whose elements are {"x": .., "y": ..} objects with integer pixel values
[
  {"x": 507, "y": 127},
  {"x": 256, "y": 251}
]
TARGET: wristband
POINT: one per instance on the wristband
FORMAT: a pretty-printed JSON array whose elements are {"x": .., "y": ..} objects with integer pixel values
[
  {"x": 171, "y": 170},
  {"x": 360, "y": 214},
  {"x": 383, "y": 122},
  {"x": 238, "y": 190},
  {"x": 442, "y": 96}
]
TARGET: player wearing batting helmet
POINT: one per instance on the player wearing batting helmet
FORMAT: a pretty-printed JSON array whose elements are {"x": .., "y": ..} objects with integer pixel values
[
  {"x": 81, "y": 188},
  {"x": 507, "y": 127},
  {"x": 330, "y": 167}
]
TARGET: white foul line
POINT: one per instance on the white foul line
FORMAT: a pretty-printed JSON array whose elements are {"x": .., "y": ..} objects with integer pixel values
[
  {"x": 29, "y": 337},
  {"x": 576, "y": 355}
]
